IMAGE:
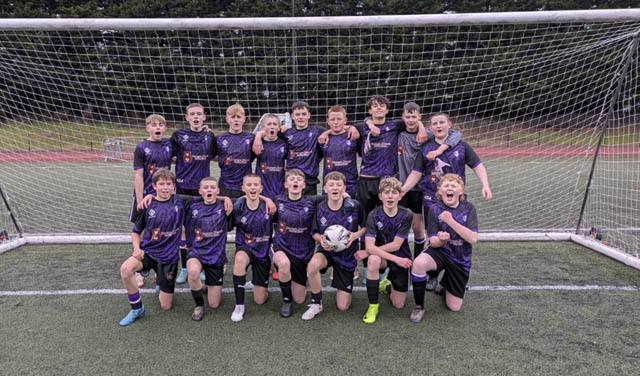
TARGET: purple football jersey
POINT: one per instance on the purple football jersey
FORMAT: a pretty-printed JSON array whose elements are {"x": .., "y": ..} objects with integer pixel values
[
  {"x": 384, "y": 228},
  {"x": 270, "y": 167},
  {"x": 206, "y": 227},
  {"x": 340, "y": 154},
  {"x": 457, "y": 249},
  {"x": 234, "y": 158},
  {"x": 162, "y": 225},
  {"x": 194, "y": 152},
  {"x": 151, "y": 156},
  {"x": 253, "y": 229}
]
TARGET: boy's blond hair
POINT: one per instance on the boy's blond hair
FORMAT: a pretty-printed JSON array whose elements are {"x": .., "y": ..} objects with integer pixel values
[
  {"x": 439, "y": 114},
  {"x": 235, "y": 109},
  {"x": 251, "y": 175},
  {"x": 390, "y": 183},
  {"x": 450, "y": 177},
  {"x": 192, "y": 105},
  {"x": 155, "y": 117},
  {"x": 165, "y": 174},
  {"x": 208, "y": 178},
  {"x": 337, "y": 108},
  {"x": 378, "y": 99},
  {"x": 335, "y": 175},
  {"x": 294, "y": 172}
]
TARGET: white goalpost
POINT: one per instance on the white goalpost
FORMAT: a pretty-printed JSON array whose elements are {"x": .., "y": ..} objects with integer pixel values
[{"x": 549, "y": 100}]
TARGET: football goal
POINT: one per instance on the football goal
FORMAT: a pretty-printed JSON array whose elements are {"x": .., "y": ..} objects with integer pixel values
[{"x": 549, "y": 100}]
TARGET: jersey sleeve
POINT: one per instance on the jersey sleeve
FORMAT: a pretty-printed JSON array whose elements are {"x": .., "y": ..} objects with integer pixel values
[
  {"x": 432, "y": 222},
  {"x": 213, "y": 150},
  {"x": 400, "y": 125},
  {"x": 403, "y": 231},
  {"x": 175, "y": 145},
  {"x": 141, "y": 223},
  {"x": 316, "y": 199},
  {"x": 138, "y": 158},
  {"x": 453, "y": 138},
  {"x": 419, "y": 163},
  {"x": 315, "y": 228},
  {"x": 362, "y": 219},
  {"x": 371, "y": 229},
  {"x": 472, "y": 219},
  {"x": 471, "y": 158}
]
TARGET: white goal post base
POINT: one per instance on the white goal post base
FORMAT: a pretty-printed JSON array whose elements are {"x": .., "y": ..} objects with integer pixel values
[{"x": 585, "y": 241}]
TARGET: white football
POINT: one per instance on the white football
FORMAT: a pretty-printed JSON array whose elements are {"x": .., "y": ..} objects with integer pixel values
[{"x": 336, "y": 237}]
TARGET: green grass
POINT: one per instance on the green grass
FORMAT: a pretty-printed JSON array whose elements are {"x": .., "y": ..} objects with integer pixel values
[{"x": 497, "y": 332}]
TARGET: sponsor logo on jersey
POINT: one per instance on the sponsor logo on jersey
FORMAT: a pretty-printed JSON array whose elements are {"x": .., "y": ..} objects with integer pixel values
[
  {"x": 197, "y": 233},
  {"x": 282, "y": 227},
  {"x": 228, "y": 160},
  {"x": 400, "y": 150},
  {"x": 292, "y": 154},
  {"x": 187, "y": 157},
  {"x": 329, "y": 163},
  {"x": 263, "y": 168},
  {"x": 152, "y": 169},
  {"x": 248, "y": 238}
]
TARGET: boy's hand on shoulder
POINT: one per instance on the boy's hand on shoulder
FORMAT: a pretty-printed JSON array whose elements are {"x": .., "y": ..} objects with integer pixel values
[
  {"x": 257, "y": 143},
  {"x": 361, "y": 255},
  {"x": 352, "y": 133},
  {"x": 271, "y": 206},
  {"x": 146, "y": 201},
  {"x": 228, "y": 205},
  {"x": 324, "y": 137},
  {"x": 375, "y": 131},
  {"x": 422, "y": 133},
  {"x": 206, "y": 128}
]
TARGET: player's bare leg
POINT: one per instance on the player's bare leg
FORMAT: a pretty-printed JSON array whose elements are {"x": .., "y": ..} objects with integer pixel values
[
  {"x": 317, "y": 262},
  {"x": 343, "y": 300},
  {"x": 421, "y": 265},
  {"x": 281, "y": 260},
  {"x": 195, "y": 284},
  {"x": 127, "y": 274}
]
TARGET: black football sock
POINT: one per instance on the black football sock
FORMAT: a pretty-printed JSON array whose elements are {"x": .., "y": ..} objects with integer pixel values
[
  {"x": 183, "y": 257},
  {"x": 197, "y": 296},
  {"x": 316, "y": 298},
  {"x": 419, "y": 284},
  {"x": 238, "y": 288},
  {"x": 285, "y": 287},
  {"x": 372, "y": 290},
  {"x": 433, "y": 274}
]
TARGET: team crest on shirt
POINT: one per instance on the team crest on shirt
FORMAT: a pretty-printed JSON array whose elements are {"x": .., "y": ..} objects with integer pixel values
[
  {"x": 152, "y": 213},
  {"x": 292, "y": 154},
  {"x": 456, "y": 154},
  {"x": 281, "y": 149},
  {"x": 266, "y": 215},
  {"x": 219, "y": 211},
  {"x": 282, "y": 227},
  {"x": 348, "y": 142},
  {"x": 152, "y": 169},
  {"x": 464, "y": 218},
  {"x": 350, "y": 219},
  {"x": 400, "y": 150},
  {"x": 197, "y": 234},
  {"x": 323, "y": 221},
  {"x": 248, "y": 238},
  {"x": 281, "y": 207},
  {"x": 185, "y": 137},
  {"x": 166, "y": 148},
  {"x": 175, "y": 208},
  {"x": 386, "y": 128},
  {"x": 243, "y": 220},
  {"x": 187, "y": 157},
  {"x": 228, "y": 160},
  {"x": 155, "y": 234},
  {"x": 379, "y": 225},
  {"x": 246, "y": 141},
  {"x": 329, "y": 163},
  {"x": 225, "y": 143},
  {"x": 263, "y": 168},
  {"x": 310, "y": 134},
  {"x": 147, "y": 151},
  {"x": 194, "y": 213}
]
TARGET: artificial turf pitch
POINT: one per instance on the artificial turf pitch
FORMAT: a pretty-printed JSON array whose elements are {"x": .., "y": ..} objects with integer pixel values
[{"x": 518, "y": 330}]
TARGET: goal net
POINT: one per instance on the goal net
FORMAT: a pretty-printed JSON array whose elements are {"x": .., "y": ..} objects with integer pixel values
[{"x": 549, "y": 100}]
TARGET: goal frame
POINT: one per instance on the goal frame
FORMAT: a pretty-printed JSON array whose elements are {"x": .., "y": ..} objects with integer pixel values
[{"x": 282, "y": 23}]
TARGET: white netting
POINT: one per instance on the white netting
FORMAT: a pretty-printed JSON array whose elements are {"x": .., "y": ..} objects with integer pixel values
[{"x": 532, "y": 99}]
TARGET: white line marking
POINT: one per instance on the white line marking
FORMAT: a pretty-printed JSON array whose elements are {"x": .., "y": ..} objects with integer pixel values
[{"x": 229, "y": 290}]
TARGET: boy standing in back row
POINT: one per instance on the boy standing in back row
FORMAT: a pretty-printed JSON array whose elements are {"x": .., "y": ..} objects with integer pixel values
[{"x": 194, "y": 149}]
